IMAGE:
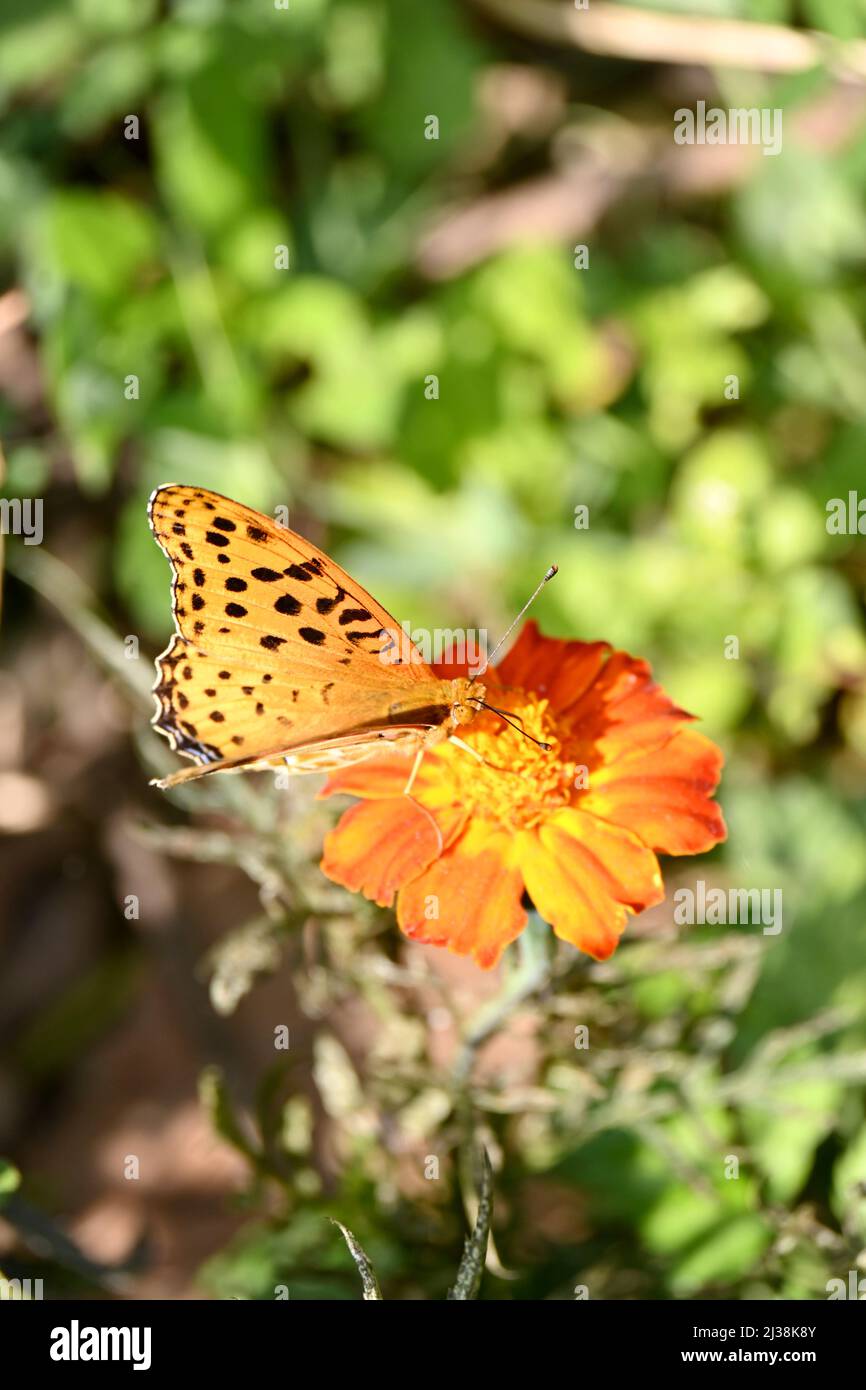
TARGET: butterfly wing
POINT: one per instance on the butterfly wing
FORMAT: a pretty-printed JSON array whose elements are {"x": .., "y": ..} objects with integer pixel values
[
  {"x": 277, "y": 650},
  {"x": 327, "y": 755}
]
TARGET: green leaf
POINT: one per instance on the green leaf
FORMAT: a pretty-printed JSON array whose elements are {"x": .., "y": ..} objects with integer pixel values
[
  {"x": 369, "y": 1282},
  {"x": 211, "y": 149},
  {"x": 98, "y": 241},
  {"x": 849, "y": 1185},
  {"x": 214, "y": 1097},
  {"x": 783, "y": 1140},
  {"x": 471, "y": 1268},
  {"x": 429, "y": 68},
  {"x": 723, "y": 1256}
]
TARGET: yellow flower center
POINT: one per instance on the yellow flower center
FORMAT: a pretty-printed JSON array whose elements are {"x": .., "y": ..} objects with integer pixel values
[{"x": 519, "y": 784}]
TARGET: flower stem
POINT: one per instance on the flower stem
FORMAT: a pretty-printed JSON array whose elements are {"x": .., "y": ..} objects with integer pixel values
[{"x": 530, "y": 972}]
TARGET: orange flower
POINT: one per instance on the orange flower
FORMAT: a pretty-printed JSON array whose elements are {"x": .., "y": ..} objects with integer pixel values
[{"x": 576, "y": 828}]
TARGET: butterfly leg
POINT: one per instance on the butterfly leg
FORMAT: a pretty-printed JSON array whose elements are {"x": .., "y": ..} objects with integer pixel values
[
  {"x": 422, "y": 808},
  {"x": 414, "y": 773},
  {"x": 465, "y": 746}
]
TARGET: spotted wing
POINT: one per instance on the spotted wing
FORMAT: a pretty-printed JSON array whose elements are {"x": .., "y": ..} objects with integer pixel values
[{"x": 278, "y": 651}]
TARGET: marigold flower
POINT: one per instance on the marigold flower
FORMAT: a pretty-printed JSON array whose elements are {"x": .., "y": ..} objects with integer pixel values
[{"x": 577, "y": 828}]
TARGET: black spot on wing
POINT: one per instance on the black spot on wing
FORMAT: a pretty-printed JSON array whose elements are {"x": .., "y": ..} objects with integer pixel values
[
  {"x": 287, "y": 604},
  {"x": 327, "y": 605}
]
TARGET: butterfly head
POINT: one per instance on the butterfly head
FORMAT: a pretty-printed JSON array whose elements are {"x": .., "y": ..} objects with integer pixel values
[{"x": 466, "y": 698}]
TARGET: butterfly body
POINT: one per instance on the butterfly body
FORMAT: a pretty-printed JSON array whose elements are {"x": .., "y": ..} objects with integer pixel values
[{"x": 279, "y": 657}]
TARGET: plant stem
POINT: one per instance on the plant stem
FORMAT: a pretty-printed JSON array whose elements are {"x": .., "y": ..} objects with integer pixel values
[{"x": 531, "y": 973}]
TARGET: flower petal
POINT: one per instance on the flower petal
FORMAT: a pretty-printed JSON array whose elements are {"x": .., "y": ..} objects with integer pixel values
[
  {"x": 475, "y": 890},
  {"x": 624, "y": 710},
  {"x": 381, "y": 776},
  {"x": 558, "y": 669},
  {"x": 663, "y": 795},
  {"x": 386, "y": 775},
  {"x": 379, "y": 845},
  {"x": 585, "y": 877}
]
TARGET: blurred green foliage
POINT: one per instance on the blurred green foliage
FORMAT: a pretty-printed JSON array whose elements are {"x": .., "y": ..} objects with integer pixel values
[{"x": 157, "y": 256}]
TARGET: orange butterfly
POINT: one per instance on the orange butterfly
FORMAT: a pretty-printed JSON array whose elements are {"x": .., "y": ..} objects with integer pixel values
[{"x": 280, "y": 658}]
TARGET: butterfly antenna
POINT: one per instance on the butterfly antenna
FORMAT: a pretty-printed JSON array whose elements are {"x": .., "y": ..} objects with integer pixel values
[
  {"x": 554, "y": 569},
  {"x": 482, "y": 704}
]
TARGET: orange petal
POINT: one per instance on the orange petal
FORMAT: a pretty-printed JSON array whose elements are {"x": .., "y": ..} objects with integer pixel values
[
  {"x": 560, "y": 670},
  {"x": 585, "y": 877},
  {"x": 469, "y": 900},
  {"x": 380, "y": 845},
  {"x": 386, "y": 776},
  {"x": 625, "y": 709},
  {"x": 377, "y": 777},
  {"x": 664, "y": 795}
]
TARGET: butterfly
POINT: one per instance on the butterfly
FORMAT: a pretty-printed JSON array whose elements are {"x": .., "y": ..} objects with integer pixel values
[{"x": 280, "y": 658}]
